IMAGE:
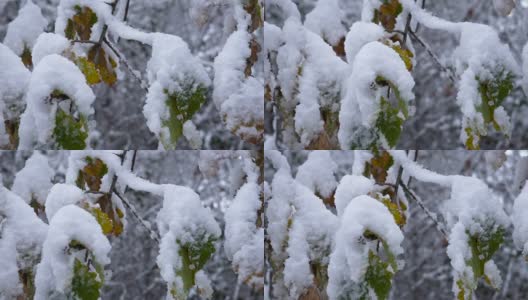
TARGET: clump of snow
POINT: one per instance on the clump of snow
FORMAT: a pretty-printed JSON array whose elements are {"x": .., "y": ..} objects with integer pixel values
[
  {"x": 46, "y": 44},
  {"x": 236, "y": 94},
  {"x": 23, "y": 234},
  {"x": 15, "y": 79},
  {"x": 310, "y": 239},
  {"x": 349, "y": 258},
  {"x": 53, "y": 73},
  {"x": 350, "y": 187},
  {"x": 472, "y": 201},
  {"x": 300, "y": 227},
  {"x": 318, "y": 173},
  {"x": 244, "y": 241},
  {"x": 360, "y": 34},
  {"x": 360, "y": 99},
  {"x": 310, "y": 75},
  {"x": 55, "y": 271},
  {"x": 33, "y": 182},
  {"x": 520, "y": 223},
  {"x": 288, "y": 7},
  {"x": 326, "y": 21},
  {"x": 23, "y": 31},
  {"x": 192, "y": 134},
  {"x": 181, "y": 221},
  {"x": 171, "y": 69},
  {"x": 62, "y": 195}
]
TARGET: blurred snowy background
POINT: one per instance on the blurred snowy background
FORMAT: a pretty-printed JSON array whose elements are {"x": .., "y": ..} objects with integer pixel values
[
  {"x": 118, "y": 109},
  {"x": 427, "y": 271},
  {"x": 437, "y": 121},
  {"x": 135, "y": 274}
]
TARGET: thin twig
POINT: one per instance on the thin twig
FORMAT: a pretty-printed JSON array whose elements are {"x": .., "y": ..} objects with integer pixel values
[
  {"x": 126, "y": 11},
  {"x": 127, "y": 65},
  {"x": 152, "y": 234},
  {"x": 431, "y": 53},
  {"x": 84, "y": 42},
  {"x": 440, "y": 227}
]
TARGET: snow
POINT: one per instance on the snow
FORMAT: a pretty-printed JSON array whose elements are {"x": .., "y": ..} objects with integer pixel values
[
  {"x": 318, "y": 173},
  {"x": 273, "y": 37},
  {"x": 479, "y": 57},
  {"x": 520, "y": 223},
  {"x": 350, "y": 187},
  {"x": 360, "y": 34},
  {"x": 229, "y": 66},
  {"x": 192, "y": 135},
  {"x": 15, "y": 79},
  {"x": 23, "y": 31},
  {"x": 244, "y": 241},
  {"x": 359, "y": 95},
  {"x": 48, "y": 43},
  {"x": 62, "y": 195},
  {"x": 55, "y": 271},
  {"x": 472, "y": 201},
  {"x": 33, "y": 182},
  {"x": 309, "y": 66},
  {"x": 310, "y": 239},
  {"x": 243, "y": 110},
  {"x": 349, "y": 259},
  {"x": 493, "y": 274},
  {"x": 326, "y": 21},
  {"x": 237, "y": 95},
  {"x": 288, "y": 7},
  {"x": 54, "y": 72},
  {"x": 204, "y": 285},
  {"x": 77, "y": 161},
  {"x": 300, "y": 228},
  {"x": 171, "y": 69},
  {"x": 182, "y": 220},
  {"x": 21, "y": 241}
]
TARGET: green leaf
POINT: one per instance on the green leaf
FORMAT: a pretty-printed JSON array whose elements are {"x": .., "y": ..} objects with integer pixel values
[
  {"x": 194, "y": 257},
  {"x": 378, "y": 277},
  {"x": 69, "y": 133},
  {"x": 182, "y": 106},
  {"x": 86, "y": 284},
  {"x": 389, "y": 122},
  {"x": 483, "y": 247}
]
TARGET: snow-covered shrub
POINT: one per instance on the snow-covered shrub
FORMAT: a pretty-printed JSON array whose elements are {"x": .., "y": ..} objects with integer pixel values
[
  {"x": 188, "y": 234},
  {"x": 351, "y": 245},
  {"x": 332, "y": 88},
  {"x": 238, "y": 88},
  {"x": 244, "y": 229},
  {"x": 86, "y": 33},
  {"x": 21, "y": 240},
  {"x": 55, "y": 237}
]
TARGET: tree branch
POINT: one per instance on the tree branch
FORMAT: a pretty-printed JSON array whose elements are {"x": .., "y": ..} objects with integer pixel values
[
  {"x": 431, "y": 53},
  {"x": 127, "y": 65},
  {"x": 439, "y": 226},
  {"x": 152, "y": 234}
]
